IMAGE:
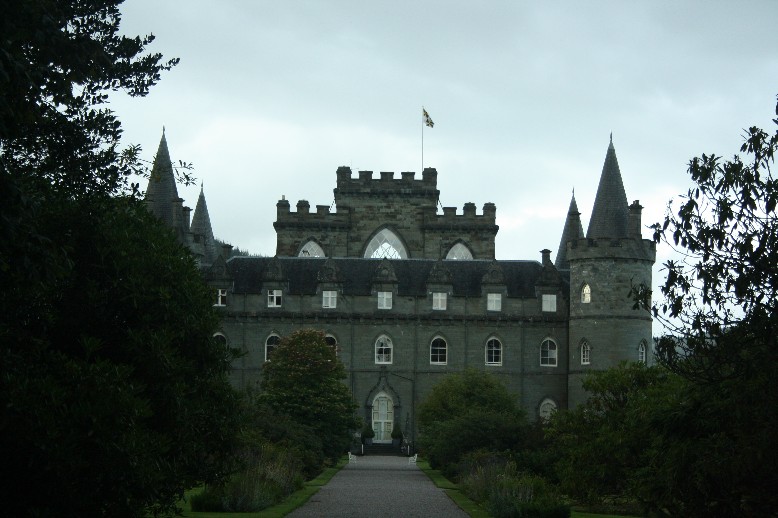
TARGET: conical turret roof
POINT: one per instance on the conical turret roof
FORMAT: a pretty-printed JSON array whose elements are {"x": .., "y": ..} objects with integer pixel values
[
  {"x": 201, "y": 226},
  {"x": 161, "y": 191},
  {"x": 573, "y": 230},
  {"x": 609, "y": 215}
]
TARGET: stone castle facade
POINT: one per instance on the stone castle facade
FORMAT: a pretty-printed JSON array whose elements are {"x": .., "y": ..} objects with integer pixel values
[{"x": 406, "y": 294}]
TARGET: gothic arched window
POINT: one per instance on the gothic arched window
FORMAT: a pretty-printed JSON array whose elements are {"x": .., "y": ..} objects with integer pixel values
[
  {"x": 586, "y": 353},
  {"x": 459, "y": 252},
  {"x": 493, "y": 352},
  {"x": 548, "y": 353},
  {"x": 311, "y": 249},
  {"x": 386, "y": 244},
  {"x": 642, "y": 352},
  {"x": 438, "y": 351}
]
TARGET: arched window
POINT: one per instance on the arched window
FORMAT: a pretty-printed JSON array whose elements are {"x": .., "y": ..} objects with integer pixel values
[
  {"x": 459, "y": 252},
  {"x": 546, "y": 409},
  {"x": 311, "y": 249},
  {"x": 220, "y": 339},
  {"x": 586, "y": 353},
  {"x": 438, "y": 350},
  {"x": 383, "y": 349},
  {"x": 270, "y": 345},
  {"x": 386, "y": 244},
  {"x": 548, "y": 353},
  {"x": 642, "y": 352},
  {"x": 332, "y": 342},
  {"x": 586, "y": 294},
  {"x": 493, "y": 352}
]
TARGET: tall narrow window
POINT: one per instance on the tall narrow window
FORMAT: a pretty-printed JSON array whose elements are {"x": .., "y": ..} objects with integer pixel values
[
  {"x": 439, "y": 301},
  {"x": 493, "y": 301},
  {"x": 270, "y": 345},
  {"x": 383, "y": 350},
  {"x": 438, "y": 350},
  {"x": 642, "y": 352},
  {"x": 549, "y": 303},
  {"x": 274, "y": 298},
  {"x": 221, "y": 297},
  {"x": 586, "y": 351},
  {"x": 493, "y": 352},
  {"x": 384, "y": 300},
  {"x": 332, "y": 342},
  {"x": 548, "y": 353},
  {"x": 329, "y": 299},
  {"x": 586, "y": 294}
]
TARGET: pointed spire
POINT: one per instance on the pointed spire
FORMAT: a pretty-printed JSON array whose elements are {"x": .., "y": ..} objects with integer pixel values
[
  {"x": 573, "y": 230},
  {"x": 609, "y": 215},
  {"x": 202, "y": 230},
  {"x": 161, "y": 193}
]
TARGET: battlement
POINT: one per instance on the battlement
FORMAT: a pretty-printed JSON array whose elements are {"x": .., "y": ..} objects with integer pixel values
[
  {"x": 450, "y": 218},
  {"x": 386, "y": 183},
  {"x": 320, "y": 217}
]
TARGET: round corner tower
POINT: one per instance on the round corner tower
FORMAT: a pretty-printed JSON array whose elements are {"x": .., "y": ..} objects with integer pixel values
[{"x": 604, "y": 328}]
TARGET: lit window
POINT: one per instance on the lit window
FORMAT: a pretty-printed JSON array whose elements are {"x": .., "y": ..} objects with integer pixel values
[
  {"x": 586, "y": 353},
  {"x": 549, "y": 303},
  {"x": 642, "y": 352},
  {"x": 439, "y": 301},
  {"x": 270, "y": 345},
  {"x": 274, "y": 298},
  {"x": 332, "y": 342},
  {"x": 493, "y": 302},
  {"x": 546, "y": 410},
  {"x": 459, "y": 252},
  {"x": 329, "y": 299},
  {"x": 383, "y": 350},
  {"x": 493, "y": 352},
  {"x": 311, "y": 249},
  {"x": 438, "y": 349},
  {"x": 586, "y": 294},
  {"x": 548, "y": 353},
  {"x": 386, "y": 244},
  {"x": 221, "y": 297},
  {"x": 384, "y": 300}
]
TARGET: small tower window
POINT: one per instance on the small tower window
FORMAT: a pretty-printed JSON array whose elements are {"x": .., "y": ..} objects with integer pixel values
[
  {"x": 586, "y": 353},
  {"x": 548, "y": 353},
  {"x": 642, "y": 352},
  {"x": 438, "y": 350},
  {"x": 586, "y": 294}
]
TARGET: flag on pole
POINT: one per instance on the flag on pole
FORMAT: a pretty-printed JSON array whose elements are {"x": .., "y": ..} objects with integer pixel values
[{"x": 426, "y": 117}]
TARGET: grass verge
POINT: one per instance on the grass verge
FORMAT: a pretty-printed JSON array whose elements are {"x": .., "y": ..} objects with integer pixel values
[{"x": 294, "y": 501}]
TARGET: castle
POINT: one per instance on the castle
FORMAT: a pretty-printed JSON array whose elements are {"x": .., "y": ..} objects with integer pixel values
[{"x": 406, "y": 295}]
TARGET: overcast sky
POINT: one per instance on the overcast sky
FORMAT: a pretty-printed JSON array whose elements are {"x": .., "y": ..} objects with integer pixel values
[{"x": 271, "y": 97}]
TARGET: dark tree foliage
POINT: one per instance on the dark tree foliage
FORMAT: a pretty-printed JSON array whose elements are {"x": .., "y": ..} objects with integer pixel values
[
  {"x": 304, "y": 381},
  {"x": 113, "y": 394},
  {"x": 468, "y": 411}
]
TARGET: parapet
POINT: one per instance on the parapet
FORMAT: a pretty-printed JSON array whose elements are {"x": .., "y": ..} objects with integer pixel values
[
  {"x": 386, "y": 182},
  {"x": 468, "y": 218}
]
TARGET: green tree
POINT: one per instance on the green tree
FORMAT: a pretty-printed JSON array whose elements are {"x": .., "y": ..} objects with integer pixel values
[
  {"x": 468, "y": 411},
  {"x": 720, "y": 301},
  {"x": 113, "y": 393},
  {"x": 304, "y": 380}
]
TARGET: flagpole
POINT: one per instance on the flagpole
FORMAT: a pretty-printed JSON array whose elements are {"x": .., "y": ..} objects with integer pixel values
[{"x": 422, "y": 141}]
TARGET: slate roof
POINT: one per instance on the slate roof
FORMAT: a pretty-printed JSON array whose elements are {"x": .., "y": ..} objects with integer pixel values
[
  {"x": 161, "y": 190},
  {"x": 573, "y": 230},
  {"x": 201, "y": 225},
  {"x": 358, "y": 275},
  {"x": 609, "y": 215}
]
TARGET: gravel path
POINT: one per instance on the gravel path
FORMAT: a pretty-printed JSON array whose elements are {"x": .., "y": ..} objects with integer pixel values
[{"x": 377, "y": 486}]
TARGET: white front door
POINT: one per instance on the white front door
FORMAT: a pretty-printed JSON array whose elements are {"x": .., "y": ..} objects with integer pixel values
[{"x": 383, "y": 418}]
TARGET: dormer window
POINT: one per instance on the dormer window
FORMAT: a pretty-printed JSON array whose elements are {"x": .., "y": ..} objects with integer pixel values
[
  {"x": 274, "y": 298},
  {"x": 384, "y": 300},
  {"x": 329, "y": 299},
  {"x": 221, "y": 297},
  {"x": 494, "y": 302},
  {"x": 549, "y": 303},
  {"x": 439, "y": 301}
]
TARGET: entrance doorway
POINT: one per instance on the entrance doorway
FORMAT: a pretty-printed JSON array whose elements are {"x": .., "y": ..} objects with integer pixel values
[{"x": 383, "y": 418}]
